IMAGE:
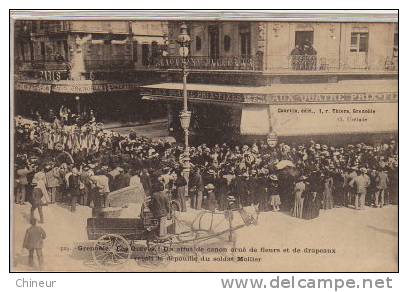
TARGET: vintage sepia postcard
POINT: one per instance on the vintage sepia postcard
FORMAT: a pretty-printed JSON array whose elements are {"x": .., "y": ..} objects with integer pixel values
[{"x": 204, "y": 141}]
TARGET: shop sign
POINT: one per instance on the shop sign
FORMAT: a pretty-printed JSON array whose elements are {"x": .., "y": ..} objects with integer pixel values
[
  {"x": 51, "y": 75},
  {"x": 322, "y": 97},
  {"x": 78, "y": 88},
  {"x": 287, "y": 98},
  {"x": 292, "y": 119},
  {"x": 33, "y": 87},
  {"x": 121, "y": 86},
  {"x": 93, "y": 88},
  {"x": 195, "y": 94},
  {"x": 319, "y": 119}
]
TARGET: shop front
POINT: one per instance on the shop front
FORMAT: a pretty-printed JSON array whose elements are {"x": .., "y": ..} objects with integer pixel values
[
  {"x": 328, "y": 110},
  {"x": 110, "y": 101}
]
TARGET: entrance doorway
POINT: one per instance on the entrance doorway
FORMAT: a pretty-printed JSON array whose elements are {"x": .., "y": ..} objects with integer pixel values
[
  {"x": 145, "y": 54},
  {"x": 358, "y": 50},
  {"x": 214, "y": 41}
]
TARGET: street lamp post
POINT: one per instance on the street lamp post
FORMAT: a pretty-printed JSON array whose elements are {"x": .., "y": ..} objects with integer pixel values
[{"x": 183, "y": 39}]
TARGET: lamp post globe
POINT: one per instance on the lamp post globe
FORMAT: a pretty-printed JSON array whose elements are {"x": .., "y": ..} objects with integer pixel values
[
  {"x": 183, "y": 39},
  {"x": 183, "y": 51}
]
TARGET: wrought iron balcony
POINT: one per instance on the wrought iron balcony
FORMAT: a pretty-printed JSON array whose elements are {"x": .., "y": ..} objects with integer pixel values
[
  {"x": 244, "y": 63},
  {"x": 353, "y": 64},
  {"x": 307, "y": 62},
  {"x": 109, "y": 64}
]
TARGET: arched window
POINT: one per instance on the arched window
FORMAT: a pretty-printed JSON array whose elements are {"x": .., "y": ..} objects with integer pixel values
[
  {"x": 227, "y": 43},
  {"x": 198, "y": 43}
]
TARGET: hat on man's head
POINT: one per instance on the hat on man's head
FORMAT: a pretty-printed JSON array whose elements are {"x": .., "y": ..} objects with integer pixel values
[
  {"x": 211, "y": 171},
  {"x": 34, "y": 182}
]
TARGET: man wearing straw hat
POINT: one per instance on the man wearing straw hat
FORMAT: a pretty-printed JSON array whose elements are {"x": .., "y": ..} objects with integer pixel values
[
  {"x": 382, "y": 182},
  {"x": 361, "y": 181}
]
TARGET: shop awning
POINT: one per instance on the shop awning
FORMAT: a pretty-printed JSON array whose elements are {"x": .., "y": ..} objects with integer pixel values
[
  {"x": 340, "y": 92},
  {"x": 365, "y": 106}
]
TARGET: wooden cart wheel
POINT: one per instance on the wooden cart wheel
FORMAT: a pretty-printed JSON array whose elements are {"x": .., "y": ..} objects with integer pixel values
[
  {"x": 160, "y": 248},
  {"x": 111, "y": 249}
]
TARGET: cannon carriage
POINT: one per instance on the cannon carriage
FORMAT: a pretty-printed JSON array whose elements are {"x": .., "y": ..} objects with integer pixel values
[{"x": 114, "y": 239}]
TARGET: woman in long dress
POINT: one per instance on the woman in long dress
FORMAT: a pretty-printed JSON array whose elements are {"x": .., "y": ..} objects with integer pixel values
[
  {"x": 311, "y": 204},
  {"x": 328, "y": 192},
  {"x": 262, "y": 194},
  {"x": 298, "y": 194},
  {"x": 308, "y": 204}
]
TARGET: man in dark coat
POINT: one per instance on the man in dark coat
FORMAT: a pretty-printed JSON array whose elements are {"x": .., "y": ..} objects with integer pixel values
[
  {"x": 33, "y": 241},
  {"x": 286, "y": 184},
  {"x": 252, "y": 186},
  {"x": 160, "y": 207},
  {"x": 74, "y": 188},
  {"x": 180, "y": 184},
  {"x": 340, "y": 198},
  {"x": 36, "y": 203},
  {"x": 122, "y": 180},
  {"x": 196, "y": 186},
  {"x": 240, "y": 189}
]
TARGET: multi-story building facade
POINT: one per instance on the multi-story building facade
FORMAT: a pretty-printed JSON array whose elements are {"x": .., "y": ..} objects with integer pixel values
[
  {"x": 58, "y": 61},
  {"x": 258, "y": 77},
  {"x": 245, "y": 78}
]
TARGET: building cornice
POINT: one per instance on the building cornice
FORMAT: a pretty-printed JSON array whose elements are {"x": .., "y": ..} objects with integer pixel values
[{"x": 213, "y": 15}]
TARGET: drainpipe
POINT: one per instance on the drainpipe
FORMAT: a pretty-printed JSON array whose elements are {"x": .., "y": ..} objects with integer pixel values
[{"x": 341, "y": 25}]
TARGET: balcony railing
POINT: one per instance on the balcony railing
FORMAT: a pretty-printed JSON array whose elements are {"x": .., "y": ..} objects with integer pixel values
[
  {"x": 307, "y": 62},
  {"x": 277, "y": 64},
  {"x": 109, "y": 64},
  {"x": 316, "y": 63},
  {"x": 244, "y": 63}
]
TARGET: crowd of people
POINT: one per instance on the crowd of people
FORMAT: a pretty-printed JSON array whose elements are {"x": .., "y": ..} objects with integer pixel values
[{"x": 56, "y": 162}]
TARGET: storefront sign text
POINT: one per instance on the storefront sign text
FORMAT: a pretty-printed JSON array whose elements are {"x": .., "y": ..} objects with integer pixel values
[
  {"x": 276, "y": 98},
  {"x": 33, "y": 87}
]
